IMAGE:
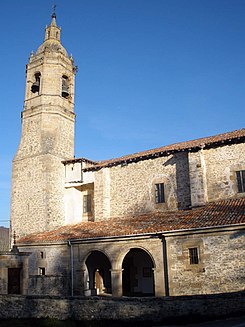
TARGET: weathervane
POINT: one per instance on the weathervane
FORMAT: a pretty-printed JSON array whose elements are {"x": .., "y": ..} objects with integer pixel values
[{"x": 54, "y": 10}]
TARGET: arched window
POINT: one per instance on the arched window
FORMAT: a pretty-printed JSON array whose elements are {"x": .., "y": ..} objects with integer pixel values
[
  {"x": 36, "y": 85},
  {"x": 65, "y": 87}
]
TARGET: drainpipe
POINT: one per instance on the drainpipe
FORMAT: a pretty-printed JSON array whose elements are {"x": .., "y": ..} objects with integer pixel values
[
  {"x": 165, "y": 266},
  {"x": 72, "y": 266}
]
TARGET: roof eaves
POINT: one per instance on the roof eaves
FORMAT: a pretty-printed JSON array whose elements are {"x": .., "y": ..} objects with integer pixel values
[
  {"x": 74, "y": 160},
  {"x": 161, "y": 153}
]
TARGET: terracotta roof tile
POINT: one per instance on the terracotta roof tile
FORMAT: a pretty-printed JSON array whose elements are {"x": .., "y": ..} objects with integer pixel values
[
  {"x": 221, "y": 213},
  {"x": 205, "y": 142}
]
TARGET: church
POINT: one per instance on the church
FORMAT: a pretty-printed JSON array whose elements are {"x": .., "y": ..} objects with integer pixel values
[{"x": 162, "y": 222}]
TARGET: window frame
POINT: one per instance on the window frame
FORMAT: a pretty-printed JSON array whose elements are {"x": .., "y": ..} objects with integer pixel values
[
  {"x": 87, "y": 203},
  {"x": 240, "y": 179},
  {"x": 193, "y": 256},
  {"x": 159, "y": 193}
]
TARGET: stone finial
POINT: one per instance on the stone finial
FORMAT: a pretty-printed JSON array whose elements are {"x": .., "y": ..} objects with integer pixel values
[{"x": 14, "y": 238}]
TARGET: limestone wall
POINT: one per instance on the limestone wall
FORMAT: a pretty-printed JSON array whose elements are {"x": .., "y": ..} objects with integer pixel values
[
  {"x": 190, "y": 179},
  {"x": 130, "y": 310},
  {"x": 55, "y": 260},
  {"x": 126, "y": 190},
  {"x": 221, "y": 165},
  {"x": 220, "y": 269},
  {"x": 37, "y": 202}
]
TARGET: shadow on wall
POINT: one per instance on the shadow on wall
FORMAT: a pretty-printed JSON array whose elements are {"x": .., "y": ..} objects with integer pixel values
[
  {"x": 181, "y": 162},
  {"x": 125, "y": 311},
  {"x": 239, "y": 246}
]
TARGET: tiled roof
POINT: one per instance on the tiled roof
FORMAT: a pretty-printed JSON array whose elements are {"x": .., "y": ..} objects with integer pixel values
[
  {"x": 205, "y": 142},
  {"x": 221, "y": 213}
]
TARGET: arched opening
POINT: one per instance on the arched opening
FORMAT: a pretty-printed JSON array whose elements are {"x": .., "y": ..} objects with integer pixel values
[
  {"x": 138, "y": 274},
  {"x": 99, "y": 275}
]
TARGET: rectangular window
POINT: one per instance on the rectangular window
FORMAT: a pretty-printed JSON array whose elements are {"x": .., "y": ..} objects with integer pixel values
[
  {"x": 193, "y": 256},
  {"x": 240, "y": 176},
  {"x": 41, "y": 254},
  {"x": 159, "y": 193},
  {"x": 41, "y": 271},
  {"x": 87, "y": 203}
]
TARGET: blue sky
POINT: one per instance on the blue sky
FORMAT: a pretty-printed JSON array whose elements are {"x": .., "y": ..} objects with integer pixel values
[{"x": 151, "y": 72}]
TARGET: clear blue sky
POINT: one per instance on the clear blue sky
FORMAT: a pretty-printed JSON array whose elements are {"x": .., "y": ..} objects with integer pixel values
[{"x": 151, "y": 72}]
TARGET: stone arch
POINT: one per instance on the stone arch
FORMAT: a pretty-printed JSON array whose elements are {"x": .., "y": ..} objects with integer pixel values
[
  {"x": 138, "y": 273},
  {"x": 98, "y": 272},
  {"x": 117, "y": 262}
]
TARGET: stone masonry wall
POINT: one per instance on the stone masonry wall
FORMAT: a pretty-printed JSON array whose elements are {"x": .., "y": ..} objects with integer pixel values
[
  {"x": 130, "y": 189},
  {"x": 220, "y": 269},
  {"x": 130, "y": 310},
  {"x": 37, "y": 194},
  {"x": 56, "y": 262},
  {"x": 221, "y": 165},
  {"x": 189, "y": 179}
]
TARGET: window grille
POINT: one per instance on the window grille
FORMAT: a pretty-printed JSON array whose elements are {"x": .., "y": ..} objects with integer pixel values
[
  {"x": 159, "y": 193},
  {"x": 240, "y": 176},
  {"x": 193, "y": 256}
]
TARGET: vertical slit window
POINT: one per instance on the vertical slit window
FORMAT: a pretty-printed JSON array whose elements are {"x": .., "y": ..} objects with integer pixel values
[
  {"x": 240, "y": 176},
  {"x": 159, "y": 193}
]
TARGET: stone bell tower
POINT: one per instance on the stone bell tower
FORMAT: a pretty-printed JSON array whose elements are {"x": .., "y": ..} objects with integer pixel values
[{"x": 37, "y": 201}]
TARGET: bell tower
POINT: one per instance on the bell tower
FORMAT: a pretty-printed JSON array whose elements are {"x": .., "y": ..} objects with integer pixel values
[{"x": 37, "y": 201}]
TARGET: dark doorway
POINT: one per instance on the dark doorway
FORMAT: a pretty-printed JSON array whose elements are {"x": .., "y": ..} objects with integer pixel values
[
  {"x": 13, "y": 280},
  {"x": 138, "y": 274},
  {"x": 98, "y": 266}
]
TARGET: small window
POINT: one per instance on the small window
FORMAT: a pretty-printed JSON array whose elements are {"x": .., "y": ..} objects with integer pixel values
[
  {"x": 41, "y": 271},
  {"x": 159, "y": 193},
  {"x": 193, "y": 256},
  {"x": 41, "y": 254},
  {"x": 240, "y": 176},
  {"x": 87, "y": 203}
]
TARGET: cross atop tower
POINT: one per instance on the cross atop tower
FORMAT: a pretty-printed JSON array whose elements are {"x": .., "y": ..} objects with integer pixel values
[{"x": 54, "y": 10}]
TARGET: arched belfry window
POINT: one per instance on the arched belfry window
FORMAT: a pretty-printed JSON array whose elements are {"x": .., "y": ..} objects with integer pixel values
[
  {"x": 65, "y": 87},
  {"x": 36, "y": 85}
]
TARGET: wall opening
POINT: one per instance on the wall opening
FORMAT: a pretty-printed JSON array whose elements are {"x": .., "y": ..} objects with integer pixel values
[
  {"x": 138, "y": 274},
  {"x": 14, "y": 280},
  {"x": 35, "y": 88},
  {"x": 99, "y": 274},
  {"x": 65, "y": 87}
]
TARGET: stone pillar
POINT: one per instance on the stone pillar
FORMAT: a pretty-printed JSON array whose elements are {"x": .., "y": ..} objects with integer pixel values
[
  {"x": 116, "y": 282},
  {"x": 25, "y": 274}
]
